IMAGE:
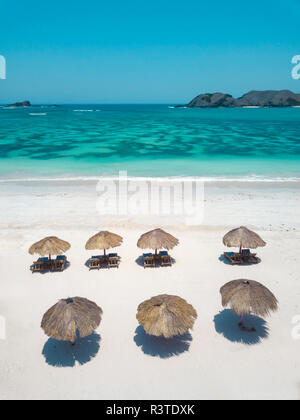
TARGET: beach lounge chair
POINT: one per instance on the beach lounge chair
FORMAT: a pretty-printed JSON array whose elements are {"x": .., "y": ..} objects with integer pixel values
[
  {"x": 41, "y": 265},
  {"x": 165, "y": 259},
  {"x": 149, "y": 260},
  {"x": 113, "y": 260},
  {"x": 250, "y": 258},
  {"x": 233, "y": 257},
  {"x": 59, "y": 264},
  {"x": 94, "y": 263}
]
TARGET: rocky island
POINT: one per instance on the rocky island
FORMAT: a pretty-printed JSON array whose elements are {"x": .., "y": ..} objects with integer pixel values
[
  {"x": 24, "y": 104},
  {"x": 27, "y": 104},
  {"x": 254, "y": 98}
]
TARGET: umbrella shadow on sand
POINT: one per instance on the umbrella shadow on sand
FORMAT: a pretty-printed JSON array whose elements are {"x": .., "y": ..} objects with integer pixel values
[
  {"x": 160, "y": 346},
  {"x": 63, "y": 354},
  {"x": 226, "y": 323},
  {"x": 87, "y": 263}
]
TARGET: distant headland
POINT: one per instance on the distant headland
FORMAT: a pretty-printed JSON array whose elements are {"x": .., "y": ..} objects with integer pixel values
[{"x": 254, "y": 98}]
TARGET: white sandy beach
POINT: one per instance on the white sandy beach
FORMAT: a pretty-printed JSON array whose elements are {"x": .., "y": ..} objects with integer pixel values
[{"x": 220, "y": 362}]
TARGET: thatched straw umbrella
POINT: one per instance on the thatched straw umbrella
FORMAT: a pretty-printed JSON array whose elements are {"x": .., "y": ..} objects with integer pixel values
[
  {"x": 242, "y": 237},
  {"x": 104, "y": 240},
  {"x": 69, "y": 316},
  {"x": 48, "y": 246},
  {"x": 157, "y": 239},
  {"x": 166, "y": 316},
  {"x": 245, "y": 296}
]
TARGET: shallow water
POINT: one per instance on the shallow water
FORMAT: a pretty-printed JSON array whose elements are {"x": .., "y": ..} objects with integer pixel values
[{"x": 149, "y": 140}]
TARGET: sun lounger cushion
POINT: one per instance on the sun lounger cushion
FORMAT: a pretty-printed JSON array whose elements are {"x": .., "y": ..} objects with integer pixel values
[
  {"x": 43, "y": 259},
  {"x": 163, "y": 253}
]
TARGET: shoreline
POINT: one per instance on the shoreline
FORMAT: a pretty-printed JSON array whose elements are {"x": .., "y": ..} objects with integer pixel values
[
  {"x": 176, "y": 178},
  {"x": 75, "y": 204}
]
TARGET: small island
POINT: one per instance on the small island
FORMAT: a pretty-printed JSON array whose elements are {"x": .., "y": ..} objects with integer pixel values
[
  {"x": 254, "y": 98},
  {"x": 28, "y": 104},
  {"x": 24, "y": 104}
]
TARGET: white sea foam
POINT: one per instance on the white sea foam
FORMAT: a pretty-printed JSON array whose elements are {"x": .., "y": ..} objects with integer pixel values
[
  {"x": 83, "y": 110},
  {"x": 211, "y": 179},
  {"x": 35, "y": 114}
]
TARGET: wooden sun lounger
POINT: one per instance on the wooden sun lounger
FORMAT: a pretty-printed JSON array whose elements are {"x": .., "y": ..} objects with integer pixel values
[
  {"x": 38, "y": 267},
  {"x": 234, "y": 258},
  {"x": 58, "y": 264},
  {"x": 165, "y": 259},
  {"x": 41, "y": 265},
  {"x": 94, "y": 263},
  {"x": 113, "y": 260},
  {"x": 251, "y": 259},
  {"x": 248, "y": 257},
  {"x": 149, "y": 260}
]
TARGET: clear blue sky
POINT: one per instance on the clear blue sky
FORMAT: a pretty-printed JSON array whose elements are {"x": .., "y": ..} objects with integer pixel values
[{"x": 134, "y": 51}]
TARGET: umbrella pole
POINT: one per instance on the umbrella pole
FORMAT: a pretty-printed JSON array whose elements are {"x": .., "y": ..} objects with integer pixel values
[
  {"x": 240, "y": 249},
  {"x": 241, "y": 325},
  {"x": 104, "y": 252}
]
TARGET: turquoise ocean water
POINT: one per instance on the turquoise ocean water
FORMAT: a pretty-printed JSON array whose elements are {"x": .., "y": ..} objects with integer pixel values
[{"x": 149, "y": 141}]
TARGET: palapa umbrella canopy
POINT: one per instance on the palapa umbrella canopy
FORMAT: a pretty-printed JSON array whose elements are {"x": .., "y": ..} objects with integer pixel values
[
  {"x": 68, "y": 316},
  {"x": 243, "y": 237},
  {"x": 104, "y": 240},
  {"x": 166, "y": 315},
  {"x": 49, "y": 245},
  {"x": 157, "y": 239},
  {"x": 245, "y": 296}
]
